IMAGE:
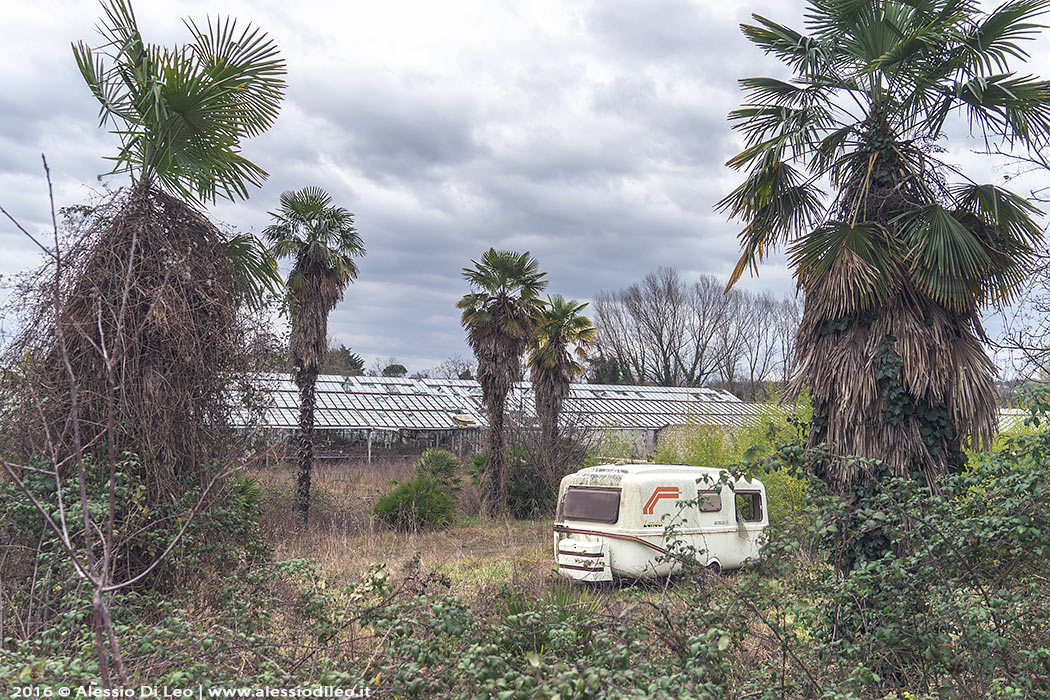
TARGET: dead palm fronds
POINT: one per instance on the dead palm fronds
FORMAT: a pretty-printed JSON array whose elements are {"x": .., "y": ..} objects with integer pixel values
[{"x": 898, "y": 263}]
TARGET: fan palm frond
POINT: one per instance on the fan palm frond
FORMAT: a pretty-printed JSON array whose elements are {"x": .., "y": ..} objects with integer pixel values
[
  {"x": 899, "y": 251},
  {"x": 181, "y": 114}
]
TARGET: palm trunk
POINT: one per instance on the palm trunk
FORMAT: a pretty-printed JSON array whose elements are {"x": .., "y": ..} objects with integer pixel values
[
  {"x": 552, "y": 429},
  {"x": 307, "y": 401},
  {"x": 549, "y": 435},
  {"x": 497, "y": 498}
]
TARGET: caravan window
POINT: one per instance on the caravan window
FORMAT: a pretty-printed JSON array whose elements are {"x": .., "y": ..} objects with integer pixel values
[
  {"x": 710, "y": 502},
  {"x": 597, "y": 505},
  {"x": 749, "y": 506}
]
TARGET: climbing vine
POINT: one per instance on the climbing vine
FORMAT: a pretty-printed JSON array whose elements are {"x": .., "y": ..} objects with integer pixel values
[{"x": 899, "y": 405}]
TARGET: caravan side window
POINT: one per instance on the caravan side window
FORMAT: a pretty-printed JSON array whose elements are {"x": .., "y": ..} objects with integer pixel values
[
  {"x": 598, "y": 505},
  {"x": 749, "y": 506},
  {"x": 710, "y": 502}
]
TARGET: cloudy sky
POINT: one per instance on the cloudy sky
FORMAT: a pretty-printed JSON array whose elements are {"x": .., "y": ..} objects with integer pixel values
[{"x": 590, "y": 132}]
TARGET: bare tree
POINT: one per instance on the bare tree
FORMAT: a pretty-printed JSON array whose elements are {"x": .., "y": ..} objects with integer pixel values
[
  {"x": 710, "y": 308},
  {"x": 1026, "y": 324},
  {"x": 732, "y": 338},
  {"x": 379, "y": 364},
  {"x": 456, "y": 367},
  {"x": 785, "y": 329},
  {"x": 760, "y": 347},
  {"x": 669, "y": 332},
  {"x": 662, "y": 329},
  {"x": 619, "y": 338}
]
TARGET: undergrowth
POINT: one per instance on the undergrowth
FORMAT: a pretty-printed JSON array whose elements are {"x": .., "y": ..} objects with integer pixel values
[{"x": 960, "y": 607}]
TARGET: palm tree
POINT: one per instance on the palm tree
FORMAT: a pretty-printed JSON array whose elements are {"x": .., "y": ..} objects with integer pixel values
[
  {"x": 181, "y": 113},
  {"x": 560, "y": 327},
  {"x": 322, "y": 240},
  {"x": 170, "y": 283},
  {"x": 145, "y": 339},
  {"x": 500, "y": 318},
  {"x": 899, "y": 260}
]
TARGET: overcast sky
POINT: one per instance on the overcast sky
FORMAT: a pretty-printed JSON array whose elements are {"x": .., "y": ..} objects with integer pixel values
[{"x": 591, "y": 133}]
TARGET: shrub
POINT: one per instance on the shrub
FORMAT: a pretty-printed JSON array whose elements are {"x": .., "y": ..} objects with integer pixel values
[
  {"x": 443, "y": 466},
  {"x": 476, "y": 464},
  {"x": 224, "y": 532},
  {"x": 529, "y": 495},
  {"x": 420, "y": 503},
  {"x": 714, "y": 446},
  {"x": 532, "y": 492}
]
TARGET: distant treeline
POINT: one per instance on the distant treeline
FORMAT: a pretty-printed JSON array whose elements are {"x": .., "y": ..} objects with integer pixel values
[{"x": 670, "y": 332}]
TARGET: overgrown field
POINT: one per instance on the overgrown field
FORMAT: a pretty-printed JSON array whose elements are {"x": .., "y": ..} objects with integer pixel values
[{"x": 473, "y": 609}]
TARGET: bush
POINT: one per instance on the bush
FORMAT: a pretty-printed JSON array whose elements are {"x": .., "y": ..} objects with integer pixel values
[
  {"x": 443, "y": 466},
  {"x": 532, "y": 492},
  {"x": 529, "y": 495},
  {"x": 420, "y": 503},
  {"x": 713, "y": 446},
  {"x": 224, "y": 533}
]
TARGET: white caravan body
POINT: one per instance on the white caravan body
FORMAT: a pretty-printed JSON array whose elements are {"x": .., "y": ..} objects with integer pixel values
[{"x": 611, "y": 519}]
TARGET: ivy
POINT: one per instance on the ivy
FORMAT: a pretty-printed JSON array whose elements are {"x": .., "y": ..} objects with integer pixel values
[{"x": 899, "y": 405}]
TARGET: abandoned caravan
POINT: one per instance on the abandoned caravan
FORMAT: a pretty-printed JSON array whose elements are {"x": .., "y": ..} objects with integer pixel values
[{"x": 611, "y": 520}]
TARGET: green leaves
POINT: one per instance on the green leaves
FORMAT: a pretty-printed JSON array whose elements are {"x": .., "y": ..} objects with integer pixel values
[
  {"x": 874, "y": 83},
  {"x": 182, "y": 113},
  {"x": 846, "y": 267},
  {"x": 776, "y": 202},
  {"x": 1016, "y": 107},
  {"x": 992, "y": 43},
  {"x": 321, "y": 237},
  {"x": 507, "y": 300},
  {"x": 803, "y": 54},
  {"x": 562, "y": 325},
  {"x": 255, "y": 268},
  {"x": 946, "y": 259},
  {"x": 981, "y": 250},
  {"x": 505, "y": 272}
]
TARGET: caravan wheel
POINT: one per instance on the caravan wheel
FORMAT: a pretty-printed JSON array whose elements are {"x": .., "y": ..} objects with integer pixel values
[{"x": 714, "y": 567}]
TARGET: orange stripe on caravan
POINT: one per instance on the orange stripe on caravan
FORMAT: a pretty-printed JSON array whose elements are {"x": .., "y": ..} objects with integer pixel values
[{"x": 659, "y": 493}]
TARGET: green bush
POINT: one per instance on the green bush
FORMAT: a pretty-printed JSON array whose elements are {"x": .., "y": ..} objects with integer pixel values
[
  {"x": 420, "y": 503},
  {"x": 713, "y": 446},
  {"x": 531, "y": 492},
  {"x": 443, "y": 466},
  {"x": 476, "y": 464},
  {"x": 222, "y": 541},
  {"x": 223, "y": 534}
]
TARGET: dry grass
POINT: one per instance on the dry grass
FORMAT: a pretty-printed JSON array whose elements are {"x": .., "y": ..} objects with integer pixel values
[{"x": 345, "y": 541}]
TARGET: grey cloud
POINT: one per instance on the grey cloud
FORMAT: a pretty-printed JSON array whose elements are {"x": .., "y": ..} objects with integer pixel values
[
  {"x": 397, "y": 130},
  {"x": 595, "y": 140},
  {"x": 643, "y": 30}
]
